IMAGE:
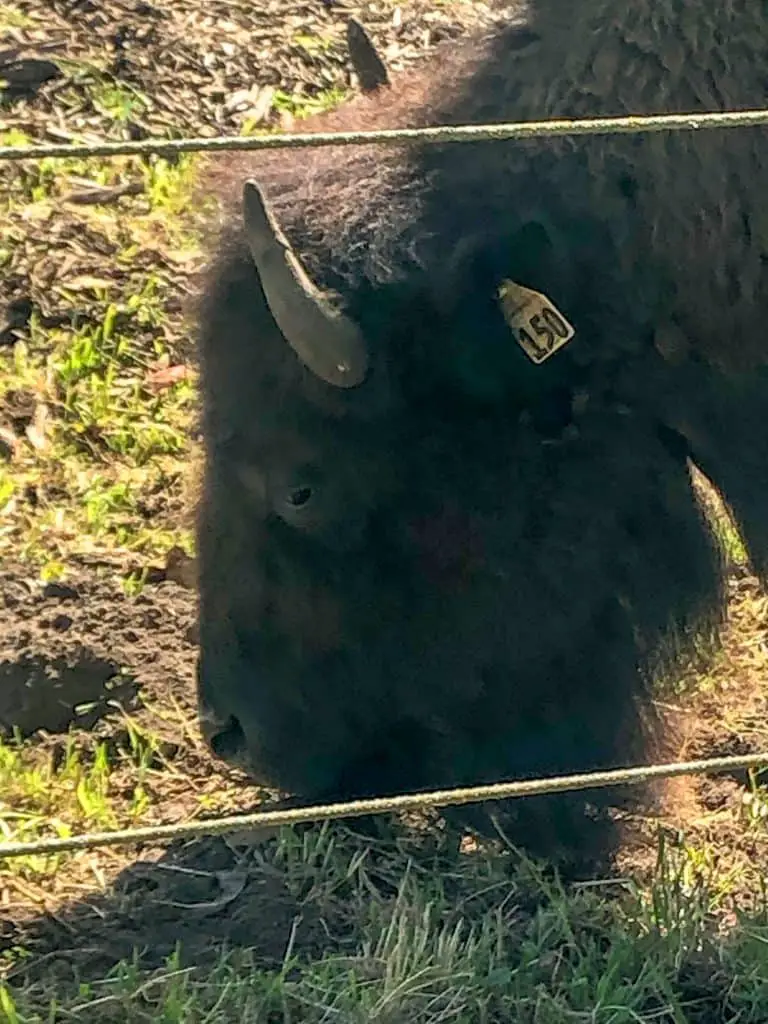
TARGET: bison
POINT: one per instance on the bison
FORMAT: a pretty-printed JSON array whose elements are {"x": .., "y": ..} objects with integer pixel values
[{"x": 453, "y": 400}]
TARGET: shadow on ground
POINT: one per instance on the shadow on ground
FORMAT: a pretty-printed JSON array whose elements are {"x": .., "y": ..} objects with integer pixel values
[{"x": 298, "y": 900}]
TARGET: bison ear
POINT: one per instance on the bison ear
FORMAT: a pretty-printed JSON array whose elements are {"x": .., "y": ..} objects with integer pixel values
[
  {"x": 366, "y": 63},
  {"x": 327, "y": 342},
  {"x": 495, "y": 366}
]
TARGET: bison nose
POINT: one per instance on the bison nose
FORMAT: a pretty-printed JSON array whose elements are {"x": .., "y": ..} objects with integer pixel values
[{"x": 224, "y": 736}]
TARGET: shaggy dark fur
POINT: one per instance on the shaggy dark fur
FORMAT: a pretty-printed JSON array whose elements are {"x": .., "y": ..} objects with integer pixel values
[{"x": 470, "y": 574}]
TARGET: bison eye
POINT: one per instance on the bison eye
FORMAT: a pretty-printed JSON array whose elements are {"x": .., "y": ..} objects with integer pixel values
[
  {"x": 296, "y": 501},
  {"x": 299, "y": 497}
]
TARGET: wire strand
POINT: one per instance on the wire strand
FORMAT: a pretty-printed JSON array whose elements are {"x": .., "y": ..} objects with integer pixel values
[
  {"x": 438, "y": 798},
  {"x": 520, "y": 130},
  {"x": 383, "y": 805}
]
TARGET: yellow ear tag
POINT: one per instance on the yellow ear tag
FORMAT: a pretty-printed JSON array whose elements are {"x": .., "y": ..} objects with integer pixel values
[{"x": 539, "y": 328}]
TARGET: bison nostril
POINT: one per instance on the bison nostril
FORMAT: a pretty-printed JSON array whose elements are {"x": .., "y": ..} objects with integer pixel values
[{"x": 227, "y": 741}]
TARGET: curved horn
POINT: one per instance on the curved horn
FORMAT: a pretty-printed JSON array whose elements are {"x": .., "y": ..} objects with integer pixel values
[
  {"x": 370, "y": 69},
  {"x": 326, "y": 341}
]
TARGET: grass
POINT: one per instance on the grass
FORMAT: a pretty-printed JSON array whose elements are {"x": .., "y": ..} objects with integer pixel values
[
  {"x": 99, "y": 392},
  {"x": 11, "y": 17},
  {"x": 108, "y": 439},
  {"x": 488, "y": 938},
  {"x": 73, "y": 788}
]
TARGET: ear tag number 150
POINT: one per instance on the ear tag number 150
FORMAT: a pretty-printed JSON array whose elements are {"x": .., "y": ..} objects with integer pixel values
[{"x": 540, "y": 329}]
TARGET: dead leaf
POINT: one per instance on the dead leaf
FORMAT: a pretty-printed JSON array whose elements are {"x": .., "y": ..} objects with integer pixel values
[
  {"x": 239, "y": 100},
  {"x": 166, "y": 377},
  {"x": 37, "y": 213},
  {"x": 231, "y": 884},
  {"x": 85, "y": 283},
  {"x": 37, "y": 430},
  {"x": 104, "y": 194}
]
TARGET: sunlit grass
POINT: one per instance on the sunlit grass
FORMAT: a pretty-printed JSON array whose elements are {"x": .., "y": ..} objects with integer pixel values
[
  {"x": 475, "y": 941},
  {"x": 111, "y": 441},
  {"x": 66, "y": 792},
  {"x": 403, "y": 935}
]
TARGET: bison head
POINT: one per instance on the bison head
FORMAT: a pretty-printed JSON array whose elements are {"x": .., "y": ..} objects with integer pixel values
[{"x": 402, "y": 587}]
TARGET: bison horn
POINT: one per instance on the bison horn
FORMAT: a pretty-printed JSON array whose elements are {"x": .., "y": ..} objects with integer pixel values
[
  {"x": 370, "y": 69},
  {"x": 326, "y": 341}
]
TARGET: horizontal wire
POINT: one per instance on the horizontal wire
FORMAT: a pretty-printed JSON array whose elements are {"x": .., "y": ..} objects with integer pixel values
[
  {"x": 438, "y": 798},
  {"x": 631, "y": 125},
  {"x": 383, "y": 805}
]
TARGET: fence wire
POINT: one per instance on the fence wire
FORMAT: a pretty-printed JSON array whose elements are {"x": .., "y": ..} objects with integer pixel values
[
  {"x": 383, "y": 805},
  {"x": 396, "y": 136},
  {"x": 438, "y": 798}
]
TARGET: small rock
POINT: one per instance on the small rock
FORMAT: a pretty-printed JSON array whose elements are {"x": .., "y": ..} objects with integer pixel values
[
  {"x": 15, "y": 316},
  {"x": 28, "y": 74},
  {"x": 180, "y": 568},
  {"x": 9, "y": 444},
  {"x": 61, "y": 623},
  {"x": 59, "y": 591}
]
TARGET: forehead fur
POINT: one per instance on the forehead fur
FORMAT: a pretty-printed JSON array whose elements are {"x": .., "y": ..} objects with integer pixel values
[{"x": 345, "y": 209}]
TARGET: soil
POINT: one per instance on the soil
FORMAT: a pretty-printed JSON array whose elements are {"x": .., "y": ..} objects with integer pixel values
[
  {"x": 72, "y": 653},
  {"x": 86, "y": 641},
  {"x": 205, "y": 895},
  {"x": 74, "y": 656},
  {"x": 81, "y": 661}
]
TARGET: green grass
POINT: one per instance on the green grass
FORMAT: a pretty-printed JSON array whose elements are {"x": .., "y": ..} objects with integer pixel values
[
  {"x": 11, "y": 17},
  {"x": 485, "y": 939},
  {"x": 312, "y": 43},
  {"x": 295, "y": 106},
  {"x": 118, "y": 102},
  {"x": 400, "y": 933},
  {"x": 112, "y": 444},
  {"x": 305, "y": 106},
  {"x": 71, "y": 790},
  {"x": 112, "y": 441}
]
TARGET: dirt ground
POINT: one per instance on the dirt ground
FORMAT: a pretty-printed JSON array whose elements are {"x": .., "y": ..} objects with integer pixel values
[
  {"x": 82, "y": 657},
  {"x": 86, "y": 644},
  {"x": 82, "y": 661}
]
